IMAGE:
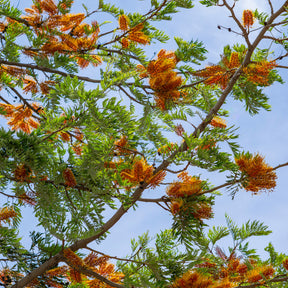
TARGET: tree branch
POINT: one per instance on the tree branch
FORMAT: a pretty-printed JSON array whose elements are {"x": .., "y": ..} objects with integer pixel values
[
  {"x": 48, "y": 70},
  {"x": 92, "y": 273}
]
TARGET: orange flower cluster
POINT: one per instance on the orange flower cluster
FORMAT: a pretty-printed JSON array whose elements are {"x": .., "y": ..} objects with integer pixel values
[
  {"x": 218, "y": 122},
  {"x": 135, "y": 34},
  {"x": 260, "y": 175},
  {"x": 6, "y": 213},
  {"x": 176, "y": 205},
  {"x": 285, "y": 263},
  {"x": 73, "y": 258},
  {"x": 97, "y": 264},
  {"x": 162, "y": 79},
  {"x": 69, "y": 178},
  {"x": 189, "y": 186},
  {"x": 105, "y": 269},
  {"x": 220, "y": 74},
  {"x": 215, "y": 75},
  {"x": 142, "y": 172},
  {"x": 247, "y": 18},
  {"x": 227, "y": 275},
  {"x": 257, "y": 73},
  {"x": 78, "y": 149},
  {"x": 30, "y": 85},
  {"x": 192, "y": 279},
  {"x": 120, "y": 145},
  {"x": 22, "y": 173},
  {"x": 13, "y": 71},
  {"x": 257, "y": 274},
  {"x": 21, "y": 117},
  {"x": 64, "y": 32},
  {"x": 202, "y": 211}
]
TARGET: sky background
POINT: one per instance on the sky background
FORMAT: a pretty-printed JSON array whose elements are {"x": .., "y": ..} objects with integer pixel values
[{"x": 265, "y": 133}]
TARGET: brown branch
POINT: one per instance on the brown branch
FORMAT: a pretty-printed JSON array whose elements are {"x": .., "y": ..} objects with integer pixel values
[
  {"x": 114, "y": 257},
  {"x": 162, "y": 199},
  {"x": 179, "y": 171},
  {"x": 26, "y": 103},
  {"x": 271, "y": 6},
  {"x": 4, "y": 100},
  {"x": 281, "y": 165},
  {"x": 128, "y": 95},
  {"x": 48, "y": 70},
  {"x": 244, "y": 32},
  {"x": 152, "y": 14},
  {"x": 91, "y": 273}
]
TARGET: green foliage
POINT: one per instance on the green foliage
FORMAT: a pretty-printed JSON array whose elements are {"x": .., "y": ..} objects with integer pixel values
[
  {"x": 192, "y": 51},
  {"x": 80, "y": 163}
]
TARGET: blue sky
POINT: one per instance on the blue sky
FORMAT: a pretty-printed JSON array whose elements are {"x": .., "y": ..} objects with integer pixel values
[{"x": 265, "y": 133}]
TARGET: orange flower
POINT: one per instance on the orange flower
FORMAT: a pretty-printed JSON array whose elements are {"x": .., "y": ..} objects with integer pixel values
[
  {"x": 255, "y": 275},
  {"x": 7, "y": 213},
  {"x": 49, "y": 6},
  {"x": 179, "y": 189},
  {"x": 125, "y": 43},
  {"x": 31, "y": 85},
  {"x": 21, "y": 118},
  {"x": 192, "y": 280},
  {"x": 285, "y": 263},
  {"x": 142, "y": 172},
  {"x": 176, "y": 205},
  {"x": 189, "y": 186},
  {"x": 162, "y": 79},
  {"x": 136, "y": 35},
  {"x": 73, "y": 258},
  {"x": 234, "y": 61},
  {"x": 202, "y": 211},
  {"x": 120, "y": 145},
  {"x": 258, "y": 73},
  {"x": 218, "y": 122},
  {"x": 123, "y": 21},
  {"x": 248, "y": 18},
  {"x": 77, "y": 148},
  {"x": 65, "y": 136},
  {"x": 69, "y": 178},
  {"x": 22, "y": 173},
  {"x": 260, "y": 175}
]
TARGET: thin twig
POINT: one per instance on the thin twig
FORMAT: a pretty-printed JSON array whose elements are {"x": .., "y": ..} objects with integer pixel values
[
  {"x": 114, "y": 257},
  {"x": 128, "y": 95}
]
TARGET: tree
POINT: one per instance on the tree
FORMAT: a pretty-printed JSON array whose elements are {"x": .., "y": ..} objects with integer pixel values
[{"x": 82, "y": 145}]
